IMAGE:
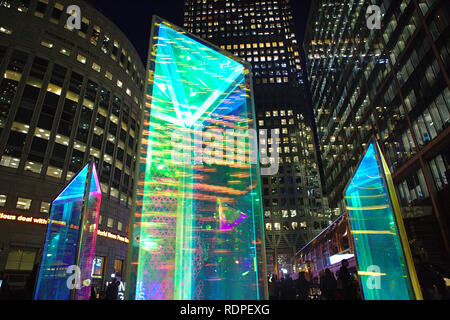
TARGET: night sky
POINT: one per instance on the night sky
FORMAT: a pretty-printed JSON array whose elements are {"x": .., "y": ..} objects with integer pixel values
[{"x": 134, "y": 17}]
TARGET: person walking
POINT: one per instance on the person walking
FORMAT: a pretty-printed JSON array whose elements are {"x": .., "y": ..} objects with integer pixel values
[
  {"x": 329, "y": 285},
  {"x": 112, "y": 291},
  {"x": 272, "y": 288},
  {"x": 346, "y": 282},
  {"x": 302, "y": 287},
  {"x": 93, "y": 296}
]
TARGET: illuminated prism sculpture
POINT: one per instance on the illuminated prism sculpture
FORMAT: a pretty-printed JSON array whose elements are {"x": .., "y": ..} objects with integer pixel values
[
  {"x": 197, "y": 226},
  {"x": 69, "y": 252},
  {"x": 383, "y": 255}
]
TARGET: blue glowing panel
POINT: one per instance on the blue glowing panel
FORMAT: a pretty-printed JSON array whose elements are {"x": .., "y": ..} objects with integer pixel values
[{"x": 381, "y": 246}]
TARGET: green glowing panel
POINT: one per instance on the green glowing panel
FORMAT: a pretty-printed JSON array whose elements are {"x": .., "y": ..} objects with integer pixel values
[
  {"x": 197, "y": 225},
  {"x": 382, "y": 251}
]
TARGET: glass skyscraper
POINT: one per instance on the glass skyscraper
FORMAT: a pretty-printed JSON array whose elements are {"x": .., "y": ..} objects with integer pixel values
[
  {"x": 392, "y": 83},
  {"x": 263, "y": 33},
  {"x": 65, "y": 96}
]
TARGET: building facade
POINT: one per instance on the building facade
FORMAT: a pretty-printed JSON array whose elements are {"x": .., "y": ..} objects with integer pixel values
[
  {"x": 391, "y": 82},
  {"x": 66, "y": 96},
  {"x": 262, "y": 33}
]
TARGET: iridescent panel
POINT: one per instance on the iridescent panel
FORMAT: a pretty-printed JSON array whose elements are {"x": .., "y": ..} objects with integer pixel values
[
  {"x": 197, "y": 229},
  {"x": 75, "y": 209},
  {"x": 382, "y": 250}
]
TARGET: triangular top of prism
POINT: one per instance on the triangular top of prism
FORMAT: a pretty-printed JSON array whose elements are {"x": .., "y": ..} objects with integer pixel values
[
  {"x": 369, "y": 172},
  {"x": 77, "y": 187},
  {"x": 191, "y": 79}
]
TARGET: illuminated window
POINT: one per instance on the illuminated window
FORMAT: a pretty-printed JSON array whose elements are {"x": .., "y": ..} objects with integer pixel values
[
  {"x": 110, "y": 223},
  {"x": 56, "y": 13},
  {"x": 2, "y": 200},
  {"x": 95, "y": 35},
  {"x": 118, "y": 266},
  {"x": 96, "y": 67},
  {"x": 54, "y": 172},
  {"x": 115, "y": 193},
  {"x": 42, "y": 133},
  {"x": 277, "y": 226},
  {"x": 45, "y": 207},
  {"x": 5, "y": 30},
  {"x": 109, "y": 75},
  {"x": 33, "y": 167},
  {"x": 97, "y": 270},
  {"x": 81, "y": 59},
  {"x": 40, "y": 8},
  {"x": 20, "y": 127},
  {"x": 80, "y": 146},
  {"x": 120, "y": 226},
  {"x": 268, "y": 226},
  {"x": 23, "y": 204},
  {"x": 69, "y": 176},
  {"x": 62, "y": 140},
  {"x": 23, "y": 5},
  {"x": 65, "y": 52},
  {"x": 10, "y": 162},
  {"x": 46, "y": 44}
]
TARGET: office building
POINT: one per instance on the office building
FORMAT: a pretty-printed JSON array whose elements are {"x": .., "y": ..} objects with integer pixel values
[
  {"x": 263, "y": 33},
  {"x": 65, "y": 96},
  {"x": 391, "y": 82}
]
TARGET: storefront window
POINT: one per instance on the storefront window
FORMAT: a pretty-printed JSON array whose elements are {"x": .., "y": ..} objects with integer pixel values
[
  {"x": 98, "y": 267},
  {"x": 118, "y": 267}
]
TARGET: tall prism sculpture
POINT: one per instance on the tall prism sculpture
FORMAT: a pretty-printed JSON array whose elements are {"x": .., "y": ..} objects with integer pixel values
[
  {"x": 69, "y": 252},
  {"x": 383, "y": 255},
  {"x": 197, "y": 224}
]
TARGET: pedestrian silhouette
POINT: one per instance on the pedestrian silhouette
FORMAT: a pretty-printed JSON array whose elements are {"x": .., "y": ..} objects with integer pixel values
[
  {"x": 346, "y": 282},
  {"x": 328, "y": 285},
  {"x": 302, "y": 287},
  {"x": 112, "y": 291}
]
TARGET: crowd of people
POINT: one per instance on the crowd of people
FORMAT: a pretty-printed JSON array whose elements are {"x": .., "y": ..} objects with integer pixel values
[
  {"x": 343, "y": 286},
  {"x": 328, "y": 287}
]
